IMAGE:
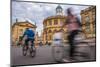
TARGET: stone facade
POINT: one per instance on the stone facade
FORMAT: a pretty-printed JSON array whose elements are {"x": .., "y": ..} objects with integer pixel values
[
  {"x": 18, "y": 29},
  {"x": 88, "y": 18},
  {"x": 53, "y": 24}
]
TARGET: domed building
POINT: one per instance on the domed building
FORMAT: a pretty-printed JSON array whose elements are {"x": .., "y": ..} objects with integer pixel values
[{"x": 53, "y": 24}]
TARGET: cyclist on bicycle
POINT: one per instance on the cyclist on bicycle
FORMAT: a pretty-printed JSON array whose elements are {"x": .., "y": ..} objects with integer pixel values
[
  {"x": 73, "y": 25},
  {"x": 30, "y": 34}
]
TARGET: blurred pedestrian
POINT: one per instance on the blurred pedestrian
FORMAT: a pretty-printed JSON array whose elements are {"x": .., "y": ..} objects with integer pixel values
[{"x": 73, "y": 26}]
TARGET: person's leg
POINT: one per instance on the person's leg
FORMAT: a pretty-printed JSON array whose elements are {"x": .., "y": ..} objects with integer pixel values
[
  {"x": 70, "y": 38},
  {"x": 27, "y": 43},
  {"x": 71, "y": 41},
  {"x": 32, "y": 41}
]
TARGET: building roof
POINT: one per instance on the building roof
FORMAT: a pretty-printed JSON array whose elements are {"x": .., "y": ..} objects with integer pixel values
[
  {"x": 24, "y": 22},
  {"x": 88, "y": 9},
  {"x": 58, "y": 7}
]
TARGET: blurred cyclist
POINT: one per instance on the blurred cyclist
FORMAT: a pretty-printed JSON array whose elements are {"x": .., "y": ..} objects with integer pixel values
[
  {"x": 58, "y": 37},
  {"x": 29, "y": 34},
  {"x": 73, "y": 25}
]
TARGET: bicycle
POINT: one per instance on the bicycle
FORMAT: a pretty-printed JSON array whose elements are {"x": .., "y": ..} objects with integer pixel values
[
  {"x": 81, "y": 52},
  {"x": 57, "y": 47},
  {"x": 29, "y": 48},
  {"x": 82, "y": 48}
]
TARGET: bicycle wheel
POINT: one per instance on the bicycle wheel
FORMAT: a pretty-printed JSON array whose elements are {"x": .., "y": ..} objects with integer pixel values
[
  {"x": 24, "y": 50},
  {"x": 33, "y": 52},
  {"x": 57, "y": 53},
  {"x": 82, "y": 52}
]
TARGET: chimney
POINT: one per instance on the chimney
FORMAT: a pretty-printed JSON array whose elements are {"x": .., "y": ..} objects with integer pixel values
[
  {"x": 27, "y": 21},
  {"x": 16, "y": 20}
]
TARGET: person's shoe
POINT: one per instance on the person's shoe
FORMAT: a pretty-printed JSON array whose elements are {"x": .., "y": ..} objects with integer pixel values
[
  {"x": 66, "y": 60},
  {"x": 72, "y": 59}
]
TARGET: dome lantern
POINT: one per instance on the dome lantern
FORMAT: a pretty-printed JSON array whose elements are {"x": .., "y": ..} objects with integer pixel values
[{"x": 59, "y": 10}]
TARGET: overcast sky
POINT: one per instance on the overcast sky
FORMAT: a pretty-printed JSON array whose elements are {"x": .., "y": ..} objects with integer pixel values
[{"x": 36, "y": 12}]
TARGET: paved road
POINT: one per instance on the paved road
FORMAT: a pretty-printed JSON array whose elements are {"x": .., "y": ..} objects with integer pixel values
[{"x": 43, "y": 55}]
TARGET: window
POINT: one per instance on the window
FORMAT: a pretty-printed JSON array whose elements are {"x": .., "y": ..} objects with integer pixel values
[
  {"x": 87, "y": 19},
  {"x": 44, "y": 26},
  {"x": 60, "y": 10},
  {"x": 20, "y": 31},
  {"x": 45, "y": 23},
  {"x": 49, "y": 31},
  {"x": 94, "y": 31},
  {"x": 55, "y": 31},
  {"x": 87, "y": 24},
  {"x": 55, "y": 22},
  {"x": 50, "y": 22},
  {"x": 61, "y": 22},
  {"x": 57, "y": 10},
  {"x": 88, "y": 29},
  {"x": 50, "y": 37}
]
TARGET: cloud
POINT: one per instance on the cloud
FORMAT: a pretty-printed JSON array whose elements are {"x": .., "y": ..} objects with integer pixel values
[{"x": 36, "y": 12}]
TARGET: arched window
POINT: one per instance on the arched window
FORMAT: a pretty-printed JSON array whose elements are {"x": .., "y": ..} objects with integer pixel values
[
  {"x": 54, "y": 31},
  {"x": 55, "y": 21},
  {"x": 94, "y": 30},
  {"x": 50, "y": 37},
  {"x": 50, "y": 22},
  {"x": 49, "y": 31},
  {"x": 87, "y": 20},
  {"x": 62, "y": 20},
  {"x": 45, "y": 23}
]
